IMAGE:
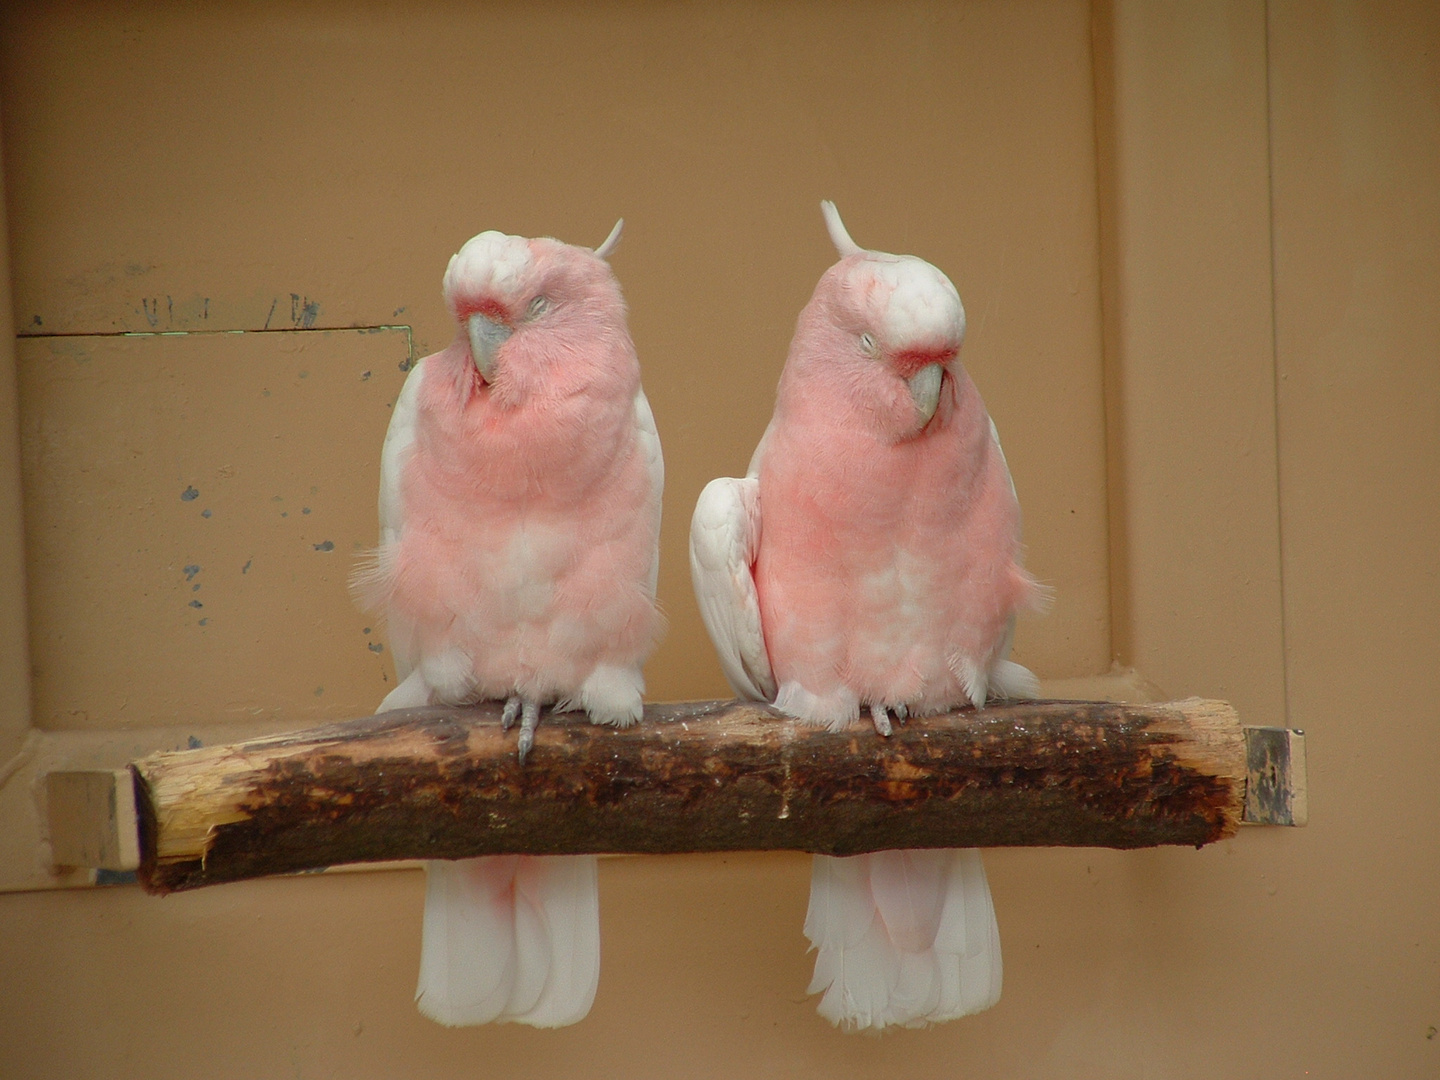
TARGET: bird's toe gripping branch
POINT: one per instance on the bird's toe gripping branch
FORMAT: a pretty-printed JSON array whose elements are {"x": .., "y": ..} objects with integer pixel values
[
  {"x": 512, "y": 710},
  {"x": 529, "y": 721},
  {"x": 882, "y": 720},
  {"x": 529, "y": 714}
]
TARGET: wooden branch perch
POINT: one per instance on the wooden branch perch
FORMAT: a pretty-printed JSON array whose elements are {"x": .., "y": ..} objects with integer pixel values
[{"x": 708, "y": 776}]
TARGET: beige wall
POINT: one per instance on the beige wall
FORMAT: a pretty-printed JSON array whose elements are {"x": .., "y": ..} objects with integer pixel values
[{"x": 1198, "y": 246}]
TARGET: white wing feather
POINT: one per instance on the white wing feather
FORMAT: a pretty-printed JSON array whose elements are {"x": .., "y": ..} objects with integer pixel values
[
  {"x": 1009, "y": 680},
  {"x": 649, "y": 440},
  {"x": 724, "y": 537},
  {"x": 399, "y": 438},
  {"x": 752, "y": 471}
]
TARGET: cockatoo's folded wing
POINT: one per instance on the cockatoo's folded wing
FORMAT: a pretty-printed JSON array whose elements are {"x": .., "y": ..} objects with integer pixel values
[
  {"x": 724, "y": 536},
  {"x": 372, "y": 578},
  {"x": 649, "y": 441},
  {"x": 399, "y": 438}
]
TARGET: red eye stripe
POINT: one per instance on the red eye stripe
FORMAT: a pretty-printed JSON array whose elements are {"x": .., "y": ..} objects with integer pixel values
[
  {"x": 912, "y": 360},
  {"x": 491, "y": 309}
]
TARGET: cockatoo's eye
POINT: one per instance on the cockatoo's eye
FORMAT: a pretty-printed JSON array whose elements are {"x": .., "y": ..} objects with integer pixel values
[
  {"x": 538, "y": 306},
  {"x": 867, "y": 342}
]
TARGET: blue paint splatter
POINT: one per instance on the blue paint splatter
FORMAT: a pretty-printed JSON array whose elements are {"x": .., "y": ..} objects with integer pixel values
[
  {"x": 196, "y": 604},
  {"x": 204, "y": 621},
  {"x": 304, "y": 509},
  {"x": 190, "y": 572},
  {"x": 189, "y": 495},
  {"x": 284, "y": 513},
  {"x": 205, "y": 513},
  {"x": 319, "y": 690},
  {"x": 195, "y": 587},
  {"x": 376, "y": 647},
  {"x": 324, "y": 545},
  {"x": 366, "y": 630},
  {"x": 304, "y": 374},
  {"x": 364, "y": 376},
  {"x": 114, "y": 877},
  {"x": 193, "y": 743},
  {"x": 246, "y": 568}
]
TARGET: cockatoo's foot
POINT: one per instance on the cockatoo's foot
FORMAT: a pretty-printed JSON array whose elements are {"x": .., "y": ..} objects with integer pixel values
[
  {"x": 881, "y": 720},
  {"x": 512, "y": 710},
  {"x": 529, "y": 721},
  {"x": 902, "y": 712}
]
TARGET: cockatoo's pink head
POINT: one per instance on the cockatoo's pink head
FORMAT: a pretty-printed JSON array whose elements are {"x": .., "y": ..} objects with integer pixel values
[
  {"x": 891, "y": 327},
  {"x": 531, "y": 311}
]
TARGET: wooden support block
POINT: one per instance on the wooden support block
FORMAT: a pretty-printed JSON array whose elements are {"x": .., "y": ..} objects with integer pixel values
[
  {"x": 707, "y": 776},
  {"x": 93, "y": 820},
  {"x": 1276, "y": 788}
]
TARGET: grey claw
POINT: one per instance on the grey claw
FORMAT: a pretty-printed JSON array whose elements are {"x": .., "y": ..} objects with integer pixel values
[
  {"x": 882, "y": 721},
  {"x": 512, "y": 710},
  {"x": 529, "y": 721},
  {"x": 902, "y": 712}
]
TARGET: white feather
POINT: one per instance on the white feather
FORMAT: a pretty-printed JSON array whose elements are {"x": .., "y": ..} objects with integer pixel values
[
  {"x": 649, "y": 440},
  {"x": 612, "y": 241},
  {"x": 399, "y": 438},
  {"x": 724, "y": 536},
  {"x": 532, "y": 945},
  {"x": 840, "y": 911},
  {"x": 1014, "y": 682},
  {"x": 904, "y": 938},
  {"x": 510, "y": 937},
  {"x": 839, "y": 235},
  {"x": 467, "y": 958},
  {"x": 865, "y": 976},
  {"x": 752, "y": 471},
  {"x": 907, "y": 889},
  {"x": 995, "y": 438},
  {"x": 565, "y": 891}
]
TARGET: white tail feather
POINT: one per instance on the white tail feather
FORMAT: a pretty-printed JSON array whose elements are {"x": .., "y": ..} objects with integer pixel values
[
  {"x": 839, "y": 235},
  {"x": 612, "y": 241},
  {"x": 908, "y": 889},
  {"x": 566, "y": 891},
  {"x": 1014, "y": 682},
  {"x": 510, "y": 937},
  {"x": 467, "y": 954},
  {"x": 904, "y": 938},
  {"x": 533, "y": 950}
]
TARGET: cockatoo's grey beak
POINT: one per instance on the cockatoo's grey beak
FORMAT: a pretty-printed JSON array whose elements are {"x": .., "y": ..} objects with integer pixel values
[
  {"x": 925, "y": 390},
  {"x": 486, "y": 336}
]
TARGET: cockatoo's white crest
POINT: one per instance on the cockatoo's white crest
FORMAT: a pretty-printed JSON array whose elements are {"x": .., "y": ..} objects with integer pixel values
[
  {"x": 491, "y": 262},
  {"x": 839, "y": 235},
  {"x": 612, "y": 241},
  {"x": 920, "y": 302}
]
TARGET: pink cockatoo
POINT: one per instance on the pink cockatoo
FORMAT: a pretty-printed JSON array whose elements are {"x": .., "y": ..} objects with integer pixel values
[
  {"x": 870, "y": 560},
  {"x": 519, "y": 525}
]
